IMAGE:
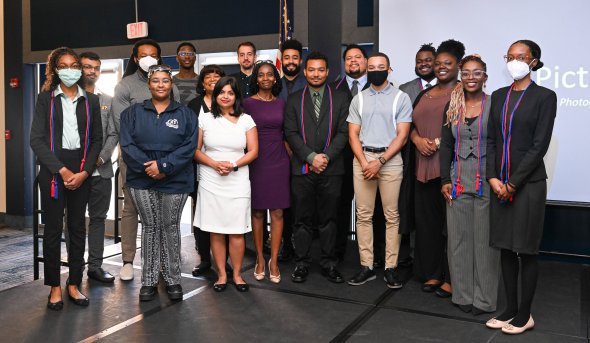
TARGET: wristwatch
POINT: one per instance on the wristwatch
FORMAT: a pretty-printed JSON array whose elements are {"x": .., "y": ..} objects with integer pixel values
[
  {"x": 235, "y": 166},
  {"x": 382, "y": 160}
]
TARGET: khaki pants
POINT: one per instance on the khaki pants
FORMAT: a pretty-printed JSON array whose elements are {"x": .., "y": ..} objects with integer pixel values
[
  {"x": 129, "y": 220},
  {"x": 388, "y": 183}
]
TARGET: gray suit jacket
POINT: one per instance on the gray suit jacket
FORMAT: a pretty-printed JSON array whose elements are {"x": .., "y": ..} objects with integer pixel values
[
  {"x": 412, "y": 88},
  {"x": 109, "y": 136}
]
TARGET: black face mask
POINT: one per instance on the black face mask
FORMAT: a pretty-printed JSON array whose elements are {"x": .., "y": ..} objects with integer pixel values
[{"x": 377, "y": 77}]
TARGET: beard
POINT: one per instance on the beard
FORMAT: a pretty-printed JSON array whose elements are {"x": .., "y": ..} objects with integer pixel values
[
  {"x": 289, "y": 72},
  {"x": 355, "y": 74},
  {"x": 428, "y": 77}
]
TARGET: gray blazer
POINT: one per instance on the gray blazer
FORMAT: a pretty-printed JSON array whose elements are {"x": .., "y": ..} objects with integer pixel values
[
  {"x": 109, "y": 136},
  {"x": 412, "y": 88}
]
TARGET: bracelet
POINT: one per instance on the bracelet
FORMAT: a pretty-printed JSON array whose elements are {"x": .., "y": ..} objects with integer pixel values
[{"x": 507, "y": 190}]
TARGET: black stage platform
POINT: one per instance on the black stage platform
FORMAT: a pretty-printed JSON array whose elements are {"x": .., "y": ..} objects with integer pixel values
[{"x": 315, "y": 311}]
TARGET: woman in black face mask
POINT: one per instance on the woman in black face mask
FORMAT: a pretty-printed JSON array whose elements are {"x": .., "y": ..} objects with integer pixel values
[{"x": 430, "y": 258}]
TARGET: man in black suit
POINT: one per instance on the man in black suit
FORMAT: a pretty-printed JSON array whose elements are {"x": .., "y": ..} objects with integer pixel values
[
  {"x": 316, "y": 129},
  {"x": 292, "y": 81},
  {"x": 424, "y": 70}
]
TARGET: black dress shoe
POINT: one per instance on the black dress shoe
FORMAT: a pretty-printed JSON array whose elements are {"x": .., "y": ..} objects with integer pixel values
[
  {"x": 147, "y": 293},
  {"x": 332, "y": 274},
  {"x": 441, "y": 293},
  {"x": 101, "y": 275},
  {"x": 174, "y": 292},
  {"x": 430, "y": 287},
  {"x": 219, "y": 287},
  {"x": 242, "y": 287},
  {"x": 57, "y": 306},
  {"x": 392, "y": 279},
  {"x": 299, "y": 274},
  {"x": 364, "y": 275},
  {"x": 80, "y": 302},
  {"x": 202, "y": 268}
]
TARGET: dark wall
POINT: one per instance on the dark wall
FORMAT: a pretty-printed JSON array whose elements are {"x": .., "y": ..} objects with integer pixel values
[
  {"x": 13, "y": 63},
  {"x": 103, "y": 23},
  {"x": 325, "y": 32}
]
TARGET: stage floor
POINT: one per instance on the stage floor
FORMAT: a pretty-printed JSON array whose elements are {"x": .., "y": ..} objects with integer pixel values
[{"x": 315, "y": 311}]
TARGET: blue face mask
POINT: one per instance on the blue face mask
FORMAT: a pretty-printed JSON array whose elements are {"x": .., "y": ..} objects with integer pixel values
[{"x": 69, "y": 76}]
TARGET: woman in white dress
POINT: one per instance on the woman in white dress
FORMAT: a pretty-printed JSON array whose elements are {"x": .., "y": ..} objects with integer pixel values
[{"x": 223, "y": 200}]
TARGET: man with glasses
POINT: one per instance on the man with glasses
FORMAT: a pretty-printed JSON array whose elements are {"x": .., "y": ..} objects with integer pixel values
[
  {"x": 246, "y": 59},
  {"x": 187, "y": 79},
  {"x": 379, "y": 125},
  {"x": 100, "y": 180}
]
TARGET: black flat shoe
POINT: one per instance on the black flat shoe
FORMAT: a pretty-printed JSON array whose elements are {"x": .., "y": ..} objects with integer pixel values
[
  {"x": 174, "y": 292},
  {"x": 219, "y": 287},
  {"x": 429, "y": 288},
  {"x": 242, "y": 287},
  {"x": 202, "y": 268},
  {"x": 147, "y": 293},
  {"x": 57, "y": 306},
  {"x": 441, "y": 293},
  {"x": 101, "y": 275},
  {"x": 80, "y": 302}
]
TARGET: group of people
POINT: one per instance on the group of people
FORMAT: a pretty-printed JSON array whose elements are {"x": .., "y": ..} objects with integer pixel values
[{"x": 438, "y": 156}]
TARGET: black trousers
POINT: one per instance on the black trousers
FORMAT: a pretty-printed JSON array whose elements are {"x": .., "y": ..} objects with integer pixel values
[
  {"x": 345, "y": 205},
  {"x": 202, "y": 238},
  {"x": 315, "y": 196},
  {"x": 75, "y": 202},
  {"x": 430, "y": 253}
]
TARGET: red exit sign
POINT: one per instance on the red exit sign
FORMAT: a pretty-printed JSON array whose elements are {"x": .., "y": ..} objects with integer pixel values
[{"x": 137, "y": 30}]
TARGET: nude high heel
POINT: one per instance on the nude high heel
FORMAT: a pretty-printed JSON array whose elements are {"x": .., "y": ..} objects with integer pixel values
[
  {"x": 259, "y": 276},
  {"x": 273, "y": 278}
]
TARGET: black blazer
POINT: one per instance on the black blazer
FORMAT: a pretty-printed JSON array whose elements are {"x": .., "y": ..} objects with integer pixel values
[
  {"x": 531, "y": 134},
  {"x": 40, "y": 134},
  {"x": 317, "y": 132}
]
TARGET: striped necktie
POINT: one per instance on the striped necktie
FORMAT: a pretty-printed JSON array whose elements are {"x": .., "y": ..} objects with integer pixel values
[{"x": 317, "y": 104}]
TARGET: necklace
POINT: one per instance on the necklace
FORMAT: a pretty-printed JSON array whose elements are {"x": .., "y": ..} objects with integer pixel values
[{"x": 263, "y": 99}]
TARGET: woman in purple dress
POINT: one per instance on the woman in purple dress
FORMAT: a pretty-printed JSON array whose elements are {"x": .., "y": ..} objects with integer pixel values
[{"x": 269, "y": 174}]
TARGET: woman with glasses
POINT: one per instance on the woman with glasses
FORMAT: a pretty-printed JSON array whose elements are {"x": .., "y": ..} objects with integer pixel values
[
  {"x": 430, "y": 258},
  {"x": 209, "y": 76},
  {"x": 66, "y": 137},
  {"x": 473, "y": 264},
  {"x": 269, "y": 173},
  {"x": 158, "y": 139},
  {"x": 519, "y": 133},
  {"x": 228, "y": 142}
]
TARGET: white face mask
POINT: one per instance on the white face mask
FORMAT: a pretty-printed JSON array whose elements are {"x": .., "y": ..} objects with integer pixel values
[
  {"x": 518, "y": 69},
  {"x": 146, "y": 62}
]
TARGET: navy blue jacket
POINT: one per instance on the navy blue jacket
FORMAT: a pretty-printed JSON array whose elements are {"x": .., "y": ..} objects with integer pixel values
[{"x": 169, "y": 138}]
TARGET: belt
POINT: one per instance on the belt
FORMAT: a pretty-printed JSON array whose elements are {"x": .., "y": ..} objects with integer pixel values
[{"x": 369, "y": 149}]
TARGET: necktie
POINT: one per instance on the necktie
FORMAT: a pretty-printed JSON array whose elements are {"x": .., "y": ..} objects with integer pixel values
[
  {"x": 355, "y": 88},
  {"x": 428, "y": 85},
  {"x": 317, "y": 104}
]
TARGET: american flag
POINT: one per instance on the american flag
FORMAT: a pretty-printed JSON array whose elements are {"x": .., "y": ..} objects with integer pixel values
[{"x": 285, "y": 29}]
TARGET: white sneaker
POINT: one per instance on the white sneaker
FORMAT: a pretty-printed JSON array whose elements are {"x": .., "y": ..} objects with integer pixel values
[{"x": 126, "y": 273}]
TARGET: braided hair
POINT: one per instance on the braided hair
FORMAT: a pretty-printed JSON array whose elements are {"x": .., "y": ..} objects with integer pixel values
[{"x": 457, "y": 103}]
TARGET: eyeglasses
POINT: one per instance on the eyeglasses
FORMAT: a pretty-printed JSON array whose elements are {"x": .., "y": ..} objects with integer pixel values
[
  {"x": 89, "y": 67},
  {"x": 187, "y": 54},
  {"x": 476, "y": 74},
  {"x": 520, "y": 58},
  {"x": 159, "y": 67},
  {"x": 73, "y": 66}
]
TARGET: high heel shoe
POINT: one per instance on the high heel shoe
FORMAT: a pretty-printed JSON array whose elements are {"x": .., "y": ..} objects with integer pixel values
[
  {"x": 57, "y": 306},
  {"x": 273, "y": 278},
  {"x": 259, "y": 276}
]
